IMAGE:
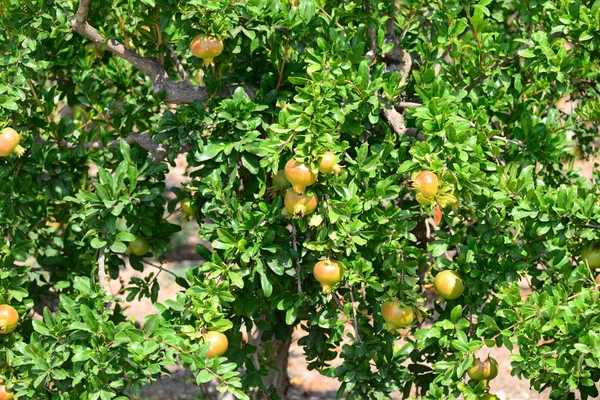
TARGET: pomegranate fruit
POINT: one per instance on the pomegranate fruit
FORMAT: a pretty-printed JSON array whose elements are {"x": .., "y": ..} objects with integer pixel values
[
  {"x": 397, "y": 315},
  {"x": 9, "y": 319},
  {"x": 139, "y": 246},
  {"x": 426, "y": 183},
  {"x": 299, "y": 204},
  {"x": 490, "y": 397},
  {"x": 299, "y": 175},
  {"x": 598, "y": 280},
  {"x": 279, "y": 181},
  {"x": 328, "y": 273},
  {"x": 490, "y": 369},
  {"x": 206, "y": 48},
  {"x": 591, "y": 256},
  {"x": 329, "y": 164},
  {"x": 218, "y": 344},
  {"x": 449, "y": 285},
  {"x": 486, "y": 370},
  {"x": 4, "y": 393},
  {"x": 9, "y": 143},
  {"x": 477, "y": 370},
  {"x": 186, "y": 207}
]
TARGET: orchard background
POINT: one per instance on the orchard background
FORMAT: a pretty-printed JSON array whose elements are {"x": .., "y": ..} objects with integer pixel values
[{"x": 106, "y": 95}]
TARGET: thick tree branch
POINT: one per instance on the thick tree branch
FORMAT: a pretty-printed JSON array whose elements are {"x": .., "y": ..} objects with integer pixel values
[
  {"x": 176, "y": 92},
  {"x": 395, "y": 120},
  {"x": 158, "y": 151}
]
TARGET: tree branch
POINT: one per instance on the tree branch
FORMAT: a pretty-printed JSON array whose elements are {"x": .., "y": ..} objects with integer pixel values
[
  {"x": 371, "y": 32},
  {"x": 178, "y": 65},
  {"x": 356, "y": 334},
  {"x": 158, "y": 151},
  {"x": 506, "y": 140},
  {"x": 103, "y": 279},
  {"x": 298, "y": 265},
  {"x": 394, "y": 119},
  {"x": 176, "y": 92}
]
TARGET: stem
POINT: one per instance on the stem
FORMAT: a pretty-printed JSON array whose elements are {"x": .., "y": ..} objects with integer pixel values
[
  {"x": 506, "y": 140},
  {"x": 298, "y": 265},
  {"x": 103, "y": 279},
  {"x": 356, "y": 334},
  {"x": 285, "y": 55}
]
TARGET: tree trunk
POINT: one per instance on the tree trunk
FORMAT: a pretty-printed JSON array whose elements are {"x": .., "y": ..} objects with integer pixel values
[
  {"x": 275, "y": 353},
  {"x": 278, "y": 378}
]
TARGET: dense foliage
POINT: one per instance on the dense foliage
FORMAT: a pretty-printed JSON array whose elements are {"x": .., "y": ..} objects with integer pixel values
[{"x": 466, "y": 90}]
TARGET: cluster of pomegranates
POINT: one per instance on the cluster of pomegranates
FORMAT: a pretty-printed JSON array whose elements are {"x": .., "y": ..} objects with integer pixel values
[
  {"x": 300, "y": 176},
  {"x": 9, "y": 143}
]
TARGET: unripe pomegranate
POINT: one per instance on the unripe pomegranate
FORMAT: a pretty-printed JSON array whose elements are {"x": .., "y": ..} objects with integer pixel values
[
  {"x": 299, "y": 175},
  {"x": 206, "y": 48},
  {"x": 218, "y": 344},
  {"x": 186, "y": 207},
  {"x": 490, "y": 369},
  {"x": 9, "y": 143},
  {"x": 328, "y": 273},
  {"x": 476, "y": 371},
  {"x": 299, "y": 204},
  {"x": 329, "y": 164},
  {"x": 591, "y": 256},
  {"x": 486, "y": 370},
  {"x": 5, "y": 394},
  {"x": 426, "y": 183},
  {"x": 490, "y": 397},
  {"x": 139, "y": 246},
  {"x": 449, "y": 285},
  {"x": 397, "y": 315},
  {"x": 9, "y": 319},
  {"x": 279, "y": 181},
  {"x": 598, "y": 280}
]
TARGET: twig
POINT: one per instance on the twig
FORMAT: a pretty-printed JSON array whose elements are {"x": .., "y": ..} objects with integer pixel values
[
  {"x": 408, "y": 104},
  {"x": 159, "y": 42},
  {"x": 37, "y": 100},
  {"x": 285, "y": 55},
  {"x": 178, "y": 65},
  {"x": 356, "y": 334},
  {"x": 468, "y": 12},
  {"x": 176, "y": 92},
  {"x": 103, "y": 280},
  {"x": 161, "y": 269},
  {"x": 590, "y": 226},
  {"x": 298, "y": 265},
  {"x": 506, "y": 140}
]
